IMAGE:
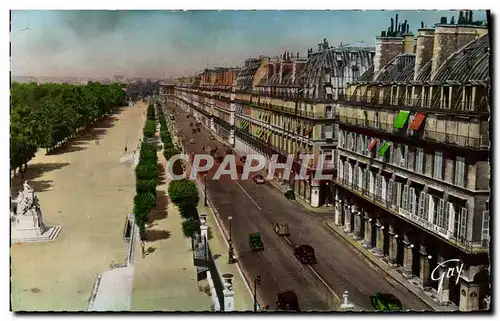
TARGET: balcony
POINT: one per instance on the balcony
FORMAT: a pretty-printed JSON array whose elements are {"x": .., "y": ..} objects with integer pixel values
[
  {"x": 416, "y": 104},
  {"x": 434, "y": 136},
  {"x": 465, "y": 245},
  {"x": 459, "y": 140}
]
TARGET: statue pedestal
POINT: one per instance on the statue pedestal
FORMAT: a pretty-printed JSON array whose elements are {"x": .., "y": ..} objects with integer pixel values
[
  {"x": 26, "y": 220},
  {"x": 23, "y": 230}
]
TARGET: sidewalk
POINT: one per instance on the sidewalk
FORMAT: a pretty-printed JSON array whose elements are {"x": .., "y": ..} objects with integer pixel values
[
  {"x": 389, "y": 270},
  {"x": 243, "y": 299},
  {"x": 114, "y": 290},
  {"x": 166, "y": 279}
]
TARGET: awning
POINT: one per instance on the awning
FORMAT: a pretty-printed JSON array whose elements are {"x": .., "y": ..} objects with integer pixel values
[
  {"x": 417, "y": 121},
  {"x": 401, "y": 119},
  {"x": 372, "y": 144},
  {"x": 384, "y": 148}
]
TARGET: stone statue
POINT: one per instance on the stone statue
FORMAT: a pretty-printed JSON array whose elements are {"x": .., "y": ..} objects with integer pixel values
[{"x": 27, "y": 220}]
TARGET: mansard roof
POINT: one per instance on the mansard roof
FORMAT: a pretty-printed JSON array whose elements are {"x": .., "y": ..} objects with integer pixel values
[
  {"x": 245, "y": 76},
  {"x": 470, "y": 63},
  {"x": 334, "y": 59}
]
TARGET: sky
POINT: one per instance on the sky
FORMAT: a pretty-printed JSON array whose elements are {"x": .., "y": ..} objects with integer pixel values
[{"x": 170, "y": 44}]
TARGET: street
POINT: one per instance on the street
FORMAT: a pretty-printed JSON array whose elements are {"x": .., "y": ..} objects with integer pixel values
[{"x": 255, "y": 208}]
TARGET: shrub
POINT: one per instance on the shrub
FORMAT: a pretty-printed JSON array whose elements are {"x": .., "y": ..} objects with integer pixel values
[
  {"x": 145, "y": 186},
  {"x": 181, "y": 191},
  {"x": 150, "y": 128},
  {"x": 188, "y": 210},
  {"x": 170, "y": 152},
  {"x": 290, "y": 195},
  {"x": 146, "y": 172},
  {"x": 190, "y": 227},
  {"x": 143, "y": 202}
]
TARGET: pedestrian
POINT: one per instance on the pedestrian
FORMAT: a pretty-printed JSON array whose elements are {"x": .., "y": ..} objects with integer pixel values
[
  {"x": 142, "y": 249},
  {"x": 97, "y": 142}
]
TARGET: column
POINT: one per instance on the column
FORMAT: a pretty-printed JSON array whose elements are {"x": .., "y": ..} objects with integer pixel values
[
  {"x": 379, "y": 242},
  {"x": 407, "y": 258},
  {"x": 444, "y": 283},
  {"x": 425, "y": 268},
  {"x": 393, "y": 246},
  {"x": 338, "y": 209},
  {"x": 368, "y": 231},
  {"x": 357, "y": 223},
  {"x": 314, "y": 194},
  {"x": 228, "y": 293},
  {"x": 347, "y": 218},
  {"x": 469, "y": 296}
]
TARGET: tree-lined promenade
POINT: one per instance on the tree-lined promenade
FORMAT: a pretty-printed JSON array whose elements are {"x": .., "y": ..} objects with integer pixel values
[{"x": 48, "y": 115}]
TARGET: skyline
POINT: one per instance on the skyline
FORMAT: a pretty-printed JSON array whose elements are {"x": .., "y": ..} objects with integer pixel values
[{"x": 170, "y": 44}]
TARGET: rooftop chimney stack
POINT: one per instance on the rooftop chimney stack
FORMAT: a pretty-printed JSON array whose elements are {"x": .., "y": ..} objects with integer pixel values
[
  {"x": 449, "y": 38},
  {"x": 387, "y": 46}
]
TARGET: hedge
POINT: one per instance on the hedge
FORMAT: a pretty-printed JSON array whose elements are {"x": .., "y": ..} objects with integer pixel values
[{"x": 181, "y": 191}]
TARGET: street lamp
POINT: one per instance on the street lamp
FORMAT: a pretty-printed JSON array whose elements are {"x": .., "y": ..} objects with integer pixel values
[
  {"x": 230, "y": 259},
  {"x": 205, "y": 189},
  {"x": 256, "y": 282}
]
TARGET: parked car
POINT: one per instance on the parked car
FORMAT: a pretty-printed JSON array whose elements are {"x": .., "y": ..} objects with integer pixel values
[
  {"x": 255, "y": 241},
  {"x": 386, "y": 302},
  {"x": 259, "y": 179}
]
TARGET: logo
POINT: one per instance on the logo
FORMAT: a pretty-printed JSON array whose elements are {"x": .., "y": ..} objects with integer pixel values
[
  {"x": 292, "y": 168},
  {"x": 450, "y": 272}
]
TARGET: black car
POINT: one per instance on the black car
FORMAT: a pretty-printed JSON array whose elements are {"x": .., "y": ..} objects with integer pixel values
[
  {"x": 386, "y": 302},
  {"x": 259, "y": 179}
]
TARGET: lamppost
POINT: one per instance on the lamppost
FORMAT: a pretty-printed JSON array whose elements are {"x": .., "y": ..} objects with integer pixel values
[
  {"x": 205, "y": 201},
  {"x": 230, "y": 259},
  {"x": 255, "y": 283}
]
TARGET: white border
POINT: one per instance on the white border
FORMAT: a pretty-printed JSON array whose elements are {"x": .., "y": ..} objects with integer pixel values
[{"x": 187, "y": 4}]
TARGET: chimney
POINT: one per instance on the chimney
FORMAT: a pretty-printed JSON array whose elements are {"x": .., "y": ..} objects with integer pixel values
[
  {"x": 450, "y": 38},
  {"x": 408, "y": 43},
  {"x": 424, "y": 48},
  {"x": 386, "y": 48}
]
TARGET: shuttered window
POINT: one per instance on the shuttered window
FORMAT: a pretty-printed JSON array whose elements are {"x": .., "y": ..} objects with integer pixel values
[
  {"x": 460, "y": 171},
  {"x": 485, "y": 233},
  {"x": 404, "y": 198},
  {"x": 438, "y": 165},
  {"x": 419, "y": 161}
]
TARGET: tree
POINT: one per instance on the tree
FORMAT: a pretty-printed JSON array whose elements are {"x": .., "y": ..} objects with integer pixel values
[
  {"x": 145, "y": 186},
  {"x": 182, "y": 191},
  {"x": 190, "y": 227},
  {"x": 143, "y": 203},
  {"x": 188, "y": 210}
]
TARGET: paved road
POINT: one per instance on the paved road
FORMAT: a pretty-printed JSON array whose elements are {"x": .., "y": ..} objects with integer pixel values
[{"x": 255, "y": 207}]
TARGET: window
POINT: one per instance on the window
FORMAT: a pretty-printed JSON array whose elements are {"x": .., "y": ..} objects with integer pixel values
[
  {"x": 342, "y": 139},
  {"x": 461, "y": 224},
  {"x": 377, "y": 122},
  {"x": 404, "y": 199},
  {"x": 378, "y": 186},
  {"x": 356, "y": 177},
  {"x": 389, "y": 197},
  {"x": 460, "y": 171},
  {"x": 485, "y": 233},
  {"x": 398, "y": 194},
  {"x": 371, "y": 183},
  {"x": 422, "y": 211},
  {"x": 341, "y": 170},
  {"x": 403, "y": 155},
  {"x": 438, "y": 165},
  {"x": 412, "y": 201},
  {"x": 360, "y": 178},
  {"x": 349, "y": 173},
  {"x": 419, "y": 161},
  {"x": 441, "y": 219},
  {"x": 383, "y": 182}
]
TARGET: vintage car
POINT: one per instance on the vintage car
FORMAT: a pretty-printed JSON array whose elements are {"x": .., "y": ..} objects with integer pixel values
[
  {"x": 305, "y": 254},
  {"x": 386, "y": 302},
  {"x": 255, "y": 241},
  {"x": 282, "y": 229},
  {"x": 288, "y": 301},
  {"x": 259, "y": 179},
  {"x": 211, "y": 137}
]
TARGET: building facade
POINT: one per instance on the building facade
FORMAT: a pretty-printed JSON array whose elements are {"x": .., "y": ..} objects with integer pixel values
[{"x": 413, "y": 167}]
